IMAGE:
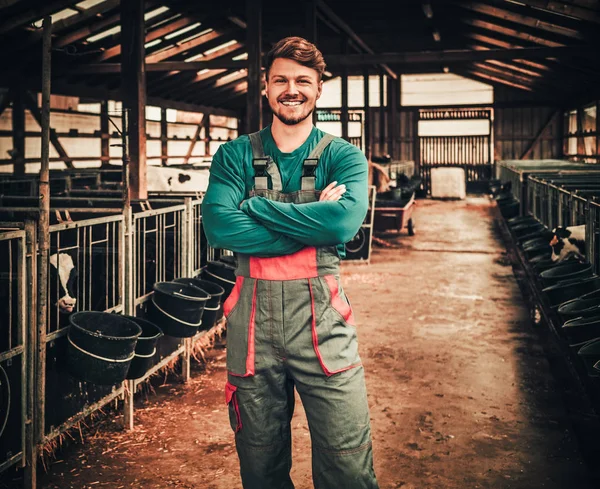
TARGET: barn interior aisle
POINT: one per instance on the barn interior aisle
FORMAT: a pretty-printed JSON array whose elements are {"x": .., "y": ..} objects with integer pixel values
[{"x": 461, "y": 391}]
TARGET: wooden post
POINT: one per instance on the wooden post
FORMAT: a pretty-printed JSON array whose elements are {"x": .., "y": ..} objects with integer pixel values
[
  {"x": 104, "y": 133},
  {"x": 381, "y": 114},
  {"x": 43, "y": 231},
  {"x": 311, "y": 33},
  {"x": 18, "y": 130},
  {"x": 392, "y": 101},
  {"x": 164, "y": 137},
  {"x": 133, "y": 76},
  {"x": 367, "y": 119},
  {"x": 206, "y": 123},
  {"x": 344, "y": 111},
  {"x": 254, "y": 44}
]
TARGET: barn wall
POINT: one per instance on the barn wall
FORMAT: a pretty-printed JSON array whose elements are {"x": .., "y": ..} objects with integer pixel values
[
  {"x": 516, "y": 128},
  {"x": 404, "y": 142}
]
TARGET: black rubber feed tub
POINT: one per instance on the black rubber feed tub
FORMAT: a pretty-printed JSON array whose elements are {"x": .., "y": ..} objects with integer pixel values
[
  {"x": 535, "y": 242},
  {"x": 179, "y": 308},
  {"x": 222, "y": 274},
  {"x": 509, "y": 209},
  {"x": 578, "y": 307},
  {"x": 581, "y": 330},
  {"x": 558, "y": 293},
  {"x": 568, "y": 271},
  {"x": 515, "y": 221},
  {"x": 527, "y": 229},
  {"x": 145, "y": 348},
  {"x": 545, "y": 235},
  {"x": 101, "y": 346},
  {"x": 590, "y": 354},
  {"x": 213, "y": 305}
]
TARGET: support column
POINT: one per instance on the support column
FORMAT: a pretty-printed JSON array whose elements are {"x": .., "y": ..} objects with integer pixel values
[
  {"x": 381, "y": 114},
  {"x": 104, "y": 133},
  {"x": 367, "y": 119},
  {"x": 344, "y": 112},
  {"x": 254, "y": 44},
  {"x": 164, "y": 137},
  {"x": 133, "y": 75},
  {"x": 392, "y": 112},
  {"x": 311, "y": 33},
  {"x": 18, "y": 130}
]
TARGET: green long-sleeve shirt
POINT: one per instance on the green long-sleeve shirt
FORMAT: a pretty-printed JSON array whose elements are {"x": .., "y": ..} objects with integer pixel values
[{"x": 261, "y": 227}]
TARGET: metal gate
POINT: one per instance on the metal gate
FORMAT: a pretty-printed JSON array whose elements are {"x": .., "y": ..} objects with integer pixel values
[{"x": 472, "y": 152}]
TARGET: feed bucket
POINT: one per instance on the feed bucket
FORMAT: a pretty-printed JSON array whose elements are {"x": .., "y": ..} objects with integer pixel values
[
  {"x": 568, "y": 271},
  {"x": 581, "y": 330},
  {"x": 145, "y": 348},
  {"x": 101, "y": 346},
  {"x": 179, "y": 308},
  {"x": 590, "y": 354},
  {"x": 222, "y": 274},
  {"x": 213, "y": 304}
]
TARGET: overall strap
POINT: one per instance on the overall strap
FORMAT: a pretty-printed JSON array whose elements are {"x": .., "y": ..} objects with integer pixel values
[
  {"x": 309, "y": 168},
  {"x": 263, "y": 165}
]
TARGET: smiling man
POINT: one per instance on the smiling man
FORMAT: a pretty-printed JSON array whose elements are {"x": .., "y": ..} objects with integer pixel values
[{"x": 285, "y": 200}]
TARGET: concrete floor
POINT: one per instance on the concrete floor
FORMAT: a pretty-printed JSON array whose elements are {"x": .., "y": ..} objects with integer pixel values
[{"x": 460, "y": 389}]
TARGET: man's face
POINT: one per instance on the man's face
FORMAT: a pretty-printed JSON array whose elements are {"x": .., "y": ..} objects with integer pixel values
[{"x": 292, "y": 90}]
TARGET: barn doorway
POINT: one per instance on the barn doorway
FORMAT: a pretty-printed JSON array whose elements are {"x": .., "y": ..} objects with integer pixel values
[{"x": 456, "y": 138}]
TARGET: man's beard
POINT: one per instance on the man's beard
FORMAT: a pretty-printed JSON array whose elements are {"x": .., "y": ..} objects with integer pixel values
[{"x": 292, "y": 121}]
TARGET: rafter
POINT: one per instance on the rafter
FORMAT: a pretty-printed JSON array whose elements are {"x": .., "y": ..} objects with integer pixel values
[
  {"x": 32, "y": 14},
  {"x": 322, "y": 6},
  {"x": 152, "y": 35},
  {"x": 529, "y": 21},
  {"x": 563, "y": 8},
  {"x": 485, "y": 78},
  {"x": 507, "y": 31}
]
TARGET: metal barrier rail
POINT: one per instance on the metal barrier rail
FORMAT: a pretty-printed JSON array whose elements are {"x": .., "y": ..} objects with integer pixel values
[
  {"x": 14, "y": 378},
  {"x": 165, "y": 244}
]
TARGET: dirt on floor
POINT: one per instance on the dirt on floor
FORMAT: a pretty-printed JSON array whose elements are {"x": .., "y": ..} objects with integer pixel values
[{"x": 461, "y": 392}]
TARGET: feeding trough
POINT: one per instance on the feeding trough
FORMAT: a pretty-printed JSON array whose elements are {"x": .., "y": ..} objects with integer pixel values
[
  {"x": 101, "y": 346},
  {"x": 179, "y": 308},
  {"x": 214, "y": 303},
  {"x": 562, "y": 292},
  {"x": 145, "y": 348},
  {"x": 516, "y": 221},
  {"x": 579, "y": 307},
  {"x": 568, "y": 271},
  {"x": 222, "y": 274},
  {"x": 581, "y": 330},
  {"x": 590, "y": 354}
]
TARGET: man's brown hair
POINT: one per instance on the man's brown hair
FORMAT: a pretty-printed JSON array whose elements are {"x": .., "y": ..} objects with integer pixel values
[{"x": 297, "y": 49}]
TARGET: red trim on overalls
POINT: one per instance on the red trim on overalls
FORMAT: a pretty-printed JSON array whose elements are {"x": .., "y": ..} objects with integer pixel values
[
  {"x": 302, "y": 264},
  {"x": 339, "y": 304},
  {"x": 251, "y": 334},
  {"x": 234, "y": 297},
  {"x": 230, "y": 396},
  {"x": 315, "y": 339}
]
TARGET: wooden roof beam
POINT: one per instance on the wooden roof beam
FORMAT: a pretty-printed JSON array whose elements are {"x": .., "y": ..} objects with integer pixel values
[
  {"x": 568, "y": 9},
  {"x": 238, "y": 90},
  {"x": 32, "y": 14},
  {"x": 345, "y": 28},
  {"x": 507, "y": 31},
  {"x": 485, "y": 78},
  {"x": 152, "y": 35},
  {"x": 425, "y": 57},
  {"x": 527, "y": 20},
  {"x": 186, "y": 46},
  {"x": 485, "y": 68},
  {"x": 495, "y": 42}
]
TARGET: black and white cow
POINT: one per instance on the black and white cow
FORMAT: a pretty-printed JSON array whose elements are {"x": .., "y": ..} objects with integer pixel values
[
  {"x": 568, "y": 242},
  {"x": 62, "y": 276}
]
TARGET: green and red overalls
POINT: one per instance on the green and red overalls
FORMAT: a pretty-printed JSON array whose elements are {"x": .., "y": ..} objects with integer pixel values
[{"x": 289, "y": 324}]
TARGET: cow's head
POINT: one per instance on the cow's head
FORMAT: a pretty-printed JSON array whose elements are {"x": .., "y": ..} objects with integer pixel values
[
  {"x": 62, "y": 265},
  {"x": 563, "y": 246}
]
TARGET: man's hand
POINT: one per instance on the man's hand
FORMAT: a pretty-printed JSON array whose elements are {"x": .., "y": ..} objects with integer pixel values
[{"x": 332, "y": 193}]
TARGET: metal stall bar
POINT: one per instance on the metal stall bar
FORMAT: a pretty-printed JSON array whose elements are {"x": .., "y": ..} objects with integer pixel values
[
  {"x": 94, "y": 247},
  {"x": 15, "y": 352}
]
